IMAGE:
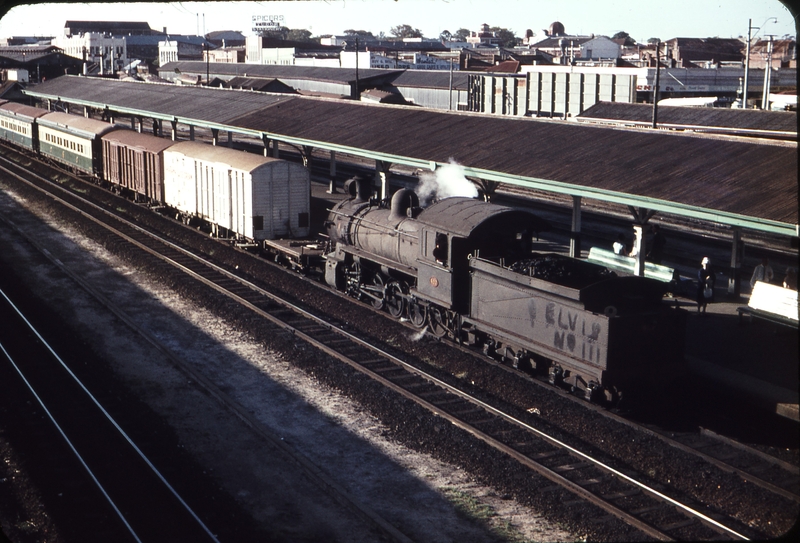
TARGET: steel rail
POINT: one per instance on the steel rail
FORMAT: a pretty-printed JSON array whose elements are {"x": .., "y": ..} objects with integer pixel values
[
  {"x": 60, "y": 430},
  {"x": 555, "y": 477},
  {"x": 338, "y": 492},
  {"x": 108, "y": 416}
]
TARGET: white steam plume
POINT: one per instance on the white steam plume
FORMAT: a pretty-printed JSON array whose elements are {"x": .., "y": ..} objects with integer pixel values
[{"x": 446, "y": 182}]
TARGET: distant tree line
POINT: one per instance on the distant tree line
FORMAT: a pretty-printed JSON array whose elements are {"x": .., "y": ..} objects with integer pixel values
[
  {"x": 398, "y": 32},
  {"x": 507, "y": 37}
]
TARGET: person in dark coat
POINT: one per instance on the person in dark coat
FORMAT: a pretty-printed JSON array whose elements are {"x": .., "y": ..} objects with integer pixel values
[
  {"x": 706, "y": 279},
  {"x": 656, "y": 252}
]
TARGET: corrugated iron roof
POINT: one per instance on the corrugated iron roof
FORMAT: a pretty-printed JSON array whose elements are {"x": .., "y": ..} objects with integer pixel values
[
  {"x": 689, "y": 170},
  {"x": 254, "y": 83},
  {"x": 29, "y": 53},
  {"x": 685, "y": 174},
  {"x": 212, "y": 105},
  {"x": 733, "y": 118},
  {"x": 435, "y": 79},
  {"x": 344, "y": 76}
]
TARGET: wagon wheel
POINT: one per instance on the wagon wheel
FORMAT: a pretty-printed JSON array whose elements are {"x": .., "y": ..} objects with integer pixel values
[
  {"x": 437, "y": 321},
  {"x": 377, "y": 292},
  {"x": 417, "y": 314},
  {"x": 395, "y": 299}
]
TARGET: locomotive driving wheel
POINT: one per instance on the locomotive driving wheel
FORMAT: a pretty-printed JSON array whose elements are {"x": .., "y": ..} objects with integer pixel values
[
  {"x": 417, "y": 314},
  {"x": 395, "y": 298},
  {"x": 377, "y": 292},
  {"x": 437, "y": 320}
]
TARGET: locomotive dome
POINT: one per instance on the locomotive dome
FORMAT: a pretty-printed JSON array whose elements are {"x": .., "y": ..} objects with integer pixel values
[{"x": 462, "y": 216}]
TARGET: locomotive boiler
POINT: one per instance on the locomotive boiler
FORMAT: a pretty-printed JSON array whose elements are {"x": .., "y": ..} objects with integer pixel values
[{"x": 464, "y": 268}]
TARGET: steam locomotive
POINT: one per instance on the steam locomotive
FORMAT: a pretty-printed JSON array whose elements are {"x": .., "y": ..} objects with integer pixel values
[{"x": 464, "y": 268}]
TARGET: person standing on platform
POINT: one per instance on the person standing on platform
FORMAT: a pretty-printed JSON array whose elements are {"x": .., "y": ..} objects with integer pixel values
[
  {"x": 620, "y": 247},
  {"x": 656, "y": 252},
  {"x": 706, "y": 279},
  {"x": 763, "y": 273},
  {"x": 790, "y": 280}
]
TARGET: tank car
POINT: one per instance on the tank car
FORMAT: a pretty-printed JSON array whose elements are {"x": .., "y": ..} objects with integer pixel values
[
  {"x": 73, "y": 141},
  {"x": 464, "y": 268}
]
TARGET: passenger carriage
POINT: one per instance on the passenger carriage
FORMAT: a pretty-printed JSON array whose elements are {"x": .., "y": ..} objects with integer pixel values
[
  {"x": 73, "y": 140},
  {"x": 18, "y": 124}
]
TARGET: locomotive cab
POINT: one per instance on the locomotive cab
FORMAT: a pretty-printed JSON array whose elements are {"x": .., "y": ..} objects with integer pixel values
[{"x": 455, "y": 229}]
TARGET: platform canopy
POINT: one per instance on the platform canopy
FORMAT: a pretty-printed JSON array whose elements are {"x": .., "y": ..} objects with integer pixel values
[{"x": 748, "y": 183}]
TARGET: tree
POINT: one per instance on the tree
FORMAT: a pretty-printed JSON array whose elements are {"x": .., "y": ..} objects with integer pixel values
[
  {"x": 299, "y": 34},
  {"x": 405, "y": 31},
  {"x": 507, "y": 37},
  {"x": 445, "y": 35},
  {"x": 621, "y": 35},
  {"x": 278, "y": 33},
  {"x": 653, "y": 41},
  {"x": 461, "y": 34},
  {"x": 359, "y": 33}
]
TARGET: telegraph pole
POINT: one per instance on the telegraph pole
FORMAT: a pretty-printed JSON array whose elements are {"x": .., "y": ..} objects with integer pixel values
[
  {"x": 655, "y": 87},
  {"x": 358, "y": 85},
  {"x": 747, "y": 64}
]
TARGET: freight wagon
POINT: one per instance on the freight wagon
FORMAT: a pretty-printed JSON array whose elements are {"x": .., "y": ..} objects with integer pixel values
[{"x": 252, "y": 196}]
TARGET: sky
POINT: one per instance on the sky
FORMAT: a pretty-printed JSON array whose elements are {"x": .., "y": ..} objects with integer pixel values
[{"x": 641, "y": 20}]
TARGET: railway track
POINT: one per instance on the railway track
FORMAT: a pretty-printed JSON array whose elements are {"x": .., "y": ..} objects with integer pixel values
[
  {"x": 58, "y": 410},
  {"x": 615, "y": 494}
]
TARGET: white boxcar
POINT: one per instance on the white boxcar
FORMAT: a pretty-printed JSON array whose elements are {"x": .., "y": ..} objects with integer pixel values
[{"x": 253, "y": 196}]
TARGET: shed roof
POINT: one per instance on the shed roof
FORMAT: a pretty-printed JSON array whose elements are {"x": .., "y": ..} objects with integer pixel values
[
  {"x": 344, "y": 76},
  {"x": 731, "y": 181},
  {"x": 730, "y": 118},
  {"x": 436, "y": 79},
  {"x": 29, "y": 53},
  {"x": 107, "y": 26}
]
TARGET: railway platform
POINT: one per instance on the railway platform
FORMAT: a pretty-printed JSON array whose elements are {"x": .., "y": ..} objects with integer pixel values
[{"x": 758, "y": 358}]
